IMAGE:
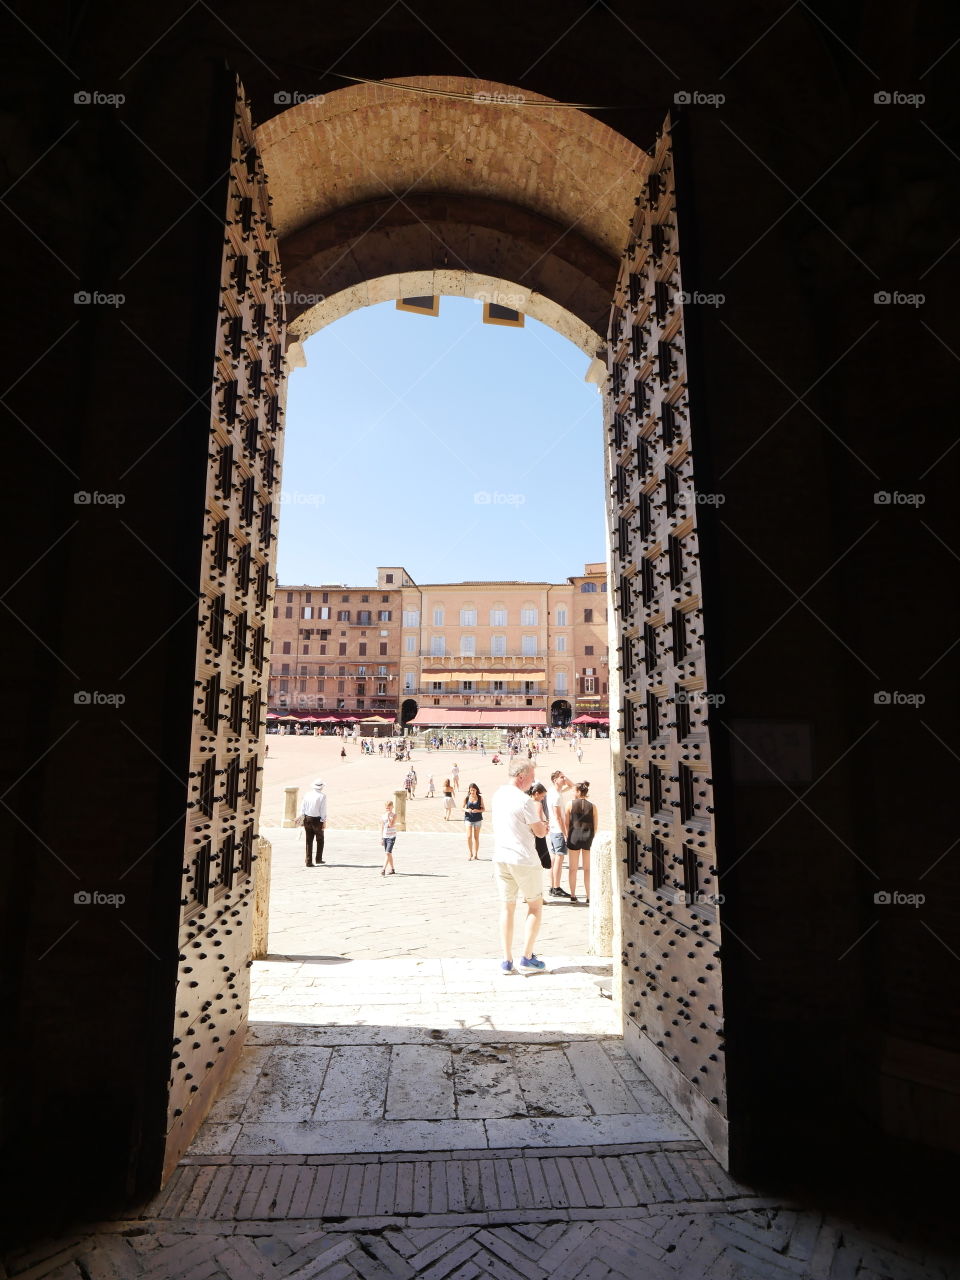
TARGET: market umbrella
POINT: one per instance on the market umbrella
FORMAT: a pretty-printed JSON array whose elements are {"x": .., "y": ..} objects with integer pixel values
[{"x": 584, "y": 719}]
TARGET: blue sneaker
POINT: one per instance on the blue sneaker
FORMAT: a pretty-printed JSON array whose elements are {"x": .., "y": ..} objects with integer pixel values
[
  {"x": 506, "y": 966},
  {"x": 531, "y": 962}
]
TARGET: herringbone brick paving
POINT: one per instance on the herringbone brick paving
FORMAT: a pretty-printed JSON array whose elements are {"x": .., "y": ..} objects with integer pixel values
[{"x": 665, "y": 1212}]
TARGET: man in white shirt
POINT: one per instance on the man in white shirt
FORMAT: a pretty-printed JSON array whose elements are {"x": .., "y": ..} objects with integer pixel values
[
  {"x": 314, "y": 810},
  {"x": 516, "y": 866},
  {"x": 557, "y": 838}
]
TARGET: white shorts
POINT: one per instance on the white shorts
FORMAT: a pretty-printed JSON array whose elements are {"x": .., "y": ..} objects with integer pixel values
[{"x": 518, "y": 880}]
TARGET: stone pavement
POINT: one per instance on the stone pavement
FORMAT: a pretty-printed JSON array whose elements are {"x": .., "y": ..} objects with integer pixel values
[
  {"x": 359, "y": 786},
  {"x": 472, "y": 1126},
  {"x": 432, "y": 1055},
  {"x": 403, "y": 1110},
  {"x": 438, "y": 903}
]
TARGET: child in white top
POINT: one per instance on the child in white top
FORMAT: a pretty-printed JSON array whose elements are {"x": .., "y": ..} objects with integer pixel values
[{"x": 388, "y": 836}]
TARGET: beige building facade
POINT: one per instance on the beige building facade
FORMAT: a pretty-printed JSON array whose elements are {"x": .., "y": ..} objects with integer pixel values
[{"x": 495, "y": 654}]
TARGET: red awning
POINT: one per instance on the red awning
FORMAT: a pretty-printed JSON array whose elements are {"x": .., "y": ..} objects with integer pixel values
[{"x": 474, "y": 718}]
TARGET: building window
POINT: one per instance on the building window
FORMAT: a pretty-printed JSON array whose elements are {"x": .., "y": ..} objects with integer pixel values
[
  {"x": 561, "y": 644},
  {"x": 308, "y": 598},
  {"x": 340, "y": 688},
  {"x": 498, "y": 686},
  {"x": 437, "y": 646},
  {"x": 388, "y": 577},
  {"x": 288, "y": 612},
  {"x": 437, "y": 686},
  {"x": 381, "y": 671},
  {"x": 411, "y": 617},
  {"x": 361, "y": 690},
  {"x": 305, "y": 650},
  {"x": 383, "y": 650},
  {"x": 285, "y": 669},
  {"x": 528, "y": 646},
  {"x": 410, "y": 644},
  {"x": 529, "y": 686},
  {"x": 438, "y": 616},
  {"x": 588, "y": 615},
  {"x": 303, "y": 671},
  {"x": 361, "y": 672},
  {"x": 276, "y": 612},
  {"x": 498, "y": 617},
  {"x": 408, "y": 682},
  {"x": 528, "y": 617},
  {"x": 344, "y": 599},
  {"x": 468, "y": 686},
  {"x": 302, "y": 686},
  {"x": 286, "y": 646},
  {"x": 562, "y": 616},
  {"x": 468, "y": 646},
  {"x": 284, "y": 686},
  {"x": 364, "y": 599},
  {"x": 363, "y": 649},
  {"x": 306, "y": 612},
  {"x": 324, "y": 613},
  {"x": 289, "y": 597},
  {"x": 342, "y": 650},
  {"x": 603, "y": 586},
  {"x": 468, "y": 617},
  {"x": 323, "y": 650},
  {"x": 324, "y": 597},
  {"x": 498, "y": 646},
  {"x": 588, "y": 650},
  {"x": 381, "y": 687},
  {"x": 385, "y": 615},
  {"x": 561, "y": 682},
  {"x": 588, "y": 684},
  {"x": 364, "y": 617},
  {"x": 588, "y": 586}
]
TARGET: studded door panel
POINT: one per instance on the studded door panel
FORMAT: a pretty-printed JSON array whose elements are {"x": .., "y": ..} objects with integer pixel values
[
  {"x": 671, "y": 969},
  {"x": 236, "y": 589}
]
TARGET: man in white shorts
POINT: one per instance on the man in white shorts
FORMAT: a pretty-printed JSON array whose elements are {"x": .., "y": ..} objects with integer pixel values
[{"x": 516, "y": 866}]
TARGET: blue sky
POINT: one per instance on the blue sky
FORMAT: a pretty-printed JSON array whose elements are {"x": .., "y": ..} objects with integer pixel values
[{"x": 456, "y": 449}]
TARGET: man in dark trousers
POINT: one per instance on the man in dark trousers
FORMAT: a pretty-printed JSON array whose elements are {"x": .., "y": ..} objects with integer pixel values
[{"x": 314, "y": 811}]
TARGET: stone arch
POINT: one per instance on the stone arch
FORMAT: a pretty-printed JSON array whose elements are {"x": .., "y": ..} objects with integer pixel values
[{"x": 447, "y": 185}]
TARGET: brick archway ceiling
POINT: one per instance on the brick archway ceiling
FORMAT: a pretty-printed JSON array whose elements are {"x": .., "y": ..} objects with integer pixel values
[{"x": 381, "y": 192}]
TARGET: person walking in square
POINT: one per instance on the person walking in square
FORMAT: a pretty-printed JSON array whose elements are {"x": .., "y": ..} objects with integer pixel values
[
  {"x": 388, "y": 838},
  {"x": 557, "y": 838},
  {"x": 581, "y": 828},
  {"x": 473, "y": 811},
  {"x": 517, "y": 821},
  {"x": 313, "y": 810},
  {"x": 447, "y": 799},
  {"x": 455, "y": 777}
]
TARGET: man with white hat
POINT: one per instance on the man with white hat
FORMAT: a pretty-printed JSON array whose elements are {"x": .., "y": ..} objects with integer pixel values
[{"x": 314, "y": 811}]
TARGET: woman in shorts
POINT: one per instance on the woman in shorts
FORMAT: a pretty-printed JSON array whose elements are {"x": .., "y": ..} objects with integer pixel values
[
  {"x": 473, "y": 810},
  {"x": 581, "y": 828}
]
